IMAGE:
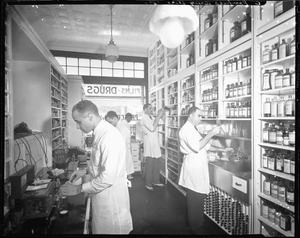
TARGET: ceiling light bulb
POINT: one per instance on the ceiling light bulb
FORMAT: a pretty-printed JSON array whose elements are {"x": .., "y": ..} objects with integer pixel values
[{"x": 172, "y": 33}]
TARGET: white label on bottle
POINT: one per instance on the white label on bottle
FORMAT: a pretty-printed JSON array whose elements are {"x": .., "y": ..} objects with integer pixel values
[
  {"x": 244, "y": 26},
  {"x": 267, "y": 188},
  {"x": 290, "y": 197},
  {"x": 265, "y": 161},
  {"x": 278, "y": 8},
  {"x": 282, "y": 223},
  {"x": 282, "y": 51},
  {"x": 271, "y": 163},
  {"x": 293, "y": 79},
  {"x": 286, "y": 80},
  {"x": 278, "y": 82},
  {"x": 266, "y": 136},
  {"x": 272, "y": 137},
  {"x": 236, "y": 112},
  {"x": 281, "y": 194},
  {"x": 273, "y": 74},
  {"x": 266, "y": 81},
  {"x": 274, "y": 191},
  {"x": 266, "y": 57},
  {"x": 277, "y": 220},
  {"x": 286, "y": 140},
  {"x": 292, "y": 167},
  {"x": 274, "y": 54},
  {"x": 206, "y": 24},
  {"x": 272, "y": 214},
  {"x": 274, "y": 110},
  {"x": 239, "y": 64},
  {"x": 279, "y": 164},
  {"x": 292, "y": 49},
  {"x": 289, "y": 108},
  {"x": 267, "y": 108},
  {"x": 287, "y": 166},
  {"x": 265, "y": 211},
  {"x": 281, "y": 109},
  {"x": 279, "y": 138},
  {"x": 232, "y": 34},
  {"x": 292, "y": 138}
]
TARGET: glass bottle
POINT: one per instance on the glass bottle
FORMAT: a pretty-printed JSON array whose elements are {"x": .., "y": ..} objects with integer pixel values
[
  {"x": 278, "y": 8},
  {"x": 231, "y": 90},
  {"x": 235, "y": 31},
  {"x": 273, "y": 74},
  {"x": 229, "y": 66},
  {"x": 274, "y": 52},
  {"x": 215, "y": 18},
  {"x": 281, "y": 107},
  {"x": 279, "y": 134},
  {"x": 292, "y": 77},
  {"x": 265, "y": 159},
  {"x": 286, "y": 78},
  {"x": 249, "y": 87},
  {"x": 279, "y": 162},
  {"x": 266, "y": 131},
  {"x": 272, "y": 134},
  {"x": 239, "y": 62},
  {"x": 285, "y": 221},
  {"x": 290, "y": 107},
  {"x": 292, "y": 157},
  {"x": 215, "y": 44},
  {"x": 235, "y": 88},
  {"x": 248, "y": 109},
  {"x": 214, "y": 72},
  {"x": 292, "y": 135},
  {"x": 290, "y": 194},
  {"x": 283, "y": 49},
  {"x": 274, "y": 107},
  {"x": 293, "y": 46},
  {"x": 244, "y": 110},
  {"x": 271, "y": 213},
  {"x": 287, "y": 163},
  {"x": 271, "y": 160},
  {"x": 209, "y": 47},
  {"x": 246, "y": 24},
  {"x": 266, "y": 54},
  {"x": 227, "y": 111},
  {"x": 265, "y": 209},
  {"x": 281, "y": 191},
  {"x": 249, "y": 60},
  {"x": 266, "y": 80},
  {"x": 240, "y": 90},
  {"x": 234, "y": 64},
  {"x": 267, "y": 186},
  {"x": 208, "y": 22},
  {"x": 245, "y": 61},
  {"x": 236, "y": 110},
  {"x": 225, "y": 67},
  {"x": 277, "y": 216},
  {"x": 285, "y": 136},
  {"x": 227, "y": 91},
  {"x": 267, "y": 108},
  {"x": 244, "y": 88},
  {"x": 278, "y": 79},
  {"x": 232, "y": 108}
]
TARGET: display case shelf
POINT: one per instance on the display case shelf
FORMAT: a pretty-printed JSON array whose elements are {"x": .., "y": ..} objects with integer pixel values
[
  {"x": 187, "y": 102},
  {"x": 172, "y": 170},
  {"x": 280, "y": 61},
  {"x": 276, "y": 201},
  {"x": 173, "y": 63},
  {"x": 187, "y": 89},
  {"x": 222, "y": 227},
  {"x": 279, "y": 91},
  {"x": 238, "y": 99},
  {"x": 275, "y": 227},
  {"x": 210, "y": 32},
  {"x": 188, "y": 49},
  {"x": 209, "y": 102},
  {"x": 281, "y": 147},
  {"x": 248, "y": 68},
  {"x": 173, "y": 127},
  {"x": 278, "y": 174},
  {"x": 56, "y": 137},
  {"x": 277, "y": 118},
  {"x": 209, "y": 81},
  {"x": 169, "y": 148},
  {"x": 234, "y": 119},
  {"x": 173, "y": 160},
  {"x": 235, "y": 14}
]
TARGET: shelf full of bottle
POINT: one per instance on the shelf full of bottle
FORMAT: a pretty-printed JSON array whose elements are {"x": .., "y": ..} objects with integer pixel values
[
  {"x": 56, "y": 132},
  {"x": 239, "y": 63},
  {"x": 279, "y": 162},
  {"x": 172, "y": 161},
  {"x": 173, "y": 133},
  {"x": 209, "y": 74},
  {"x": 172, "y": 144},
  {"x": 55, "y": 113},
  {"x": 209, "y": 111},
  {"x": 229, "y": 213}
]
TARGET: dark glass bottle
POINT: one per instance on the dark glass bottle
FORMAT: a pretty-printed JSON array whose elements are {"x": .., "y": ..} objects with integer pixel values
[
  {"x": 287, "y": 163},
  {"x": 246, "y": 24},
  {"x": 209, "y": 47},
  {"x": 281, "y": 7},
  {"x": 274, "y": 188},
  {"x": 227, "y": 91},
  {"x": 290, "y": 194},
  {"x": 271, "y": 160},
  {"x": 283, "y": 49},
  {"x": 279, "y": 162},
  {"x": 208, "y": 22},
  {"x": 235, "y": 32},
  {"x": 279, "y": 134},
  {"x": 282, "y": 191},
  {"x": 274, "y": 52}
]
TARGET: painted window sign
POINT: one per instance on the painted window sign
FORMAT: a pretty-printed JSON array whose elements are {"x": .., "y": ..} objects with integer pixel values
[{"x": 112, "y": 90}]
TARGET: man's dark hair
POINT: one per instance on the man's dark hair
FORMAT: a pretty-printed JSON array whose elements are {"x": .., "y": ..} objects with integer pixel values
[
  {"x": 85, "y": 106},
  {"x": 146, "y": 106},
  {"x": 111, "y": 115},
  {"x": 192, "y": 110},
  {"x": 128, "y": 115}
]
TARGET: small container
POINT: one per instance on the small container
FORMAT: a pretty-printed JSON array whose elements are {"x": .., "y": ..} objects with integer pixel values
[
  {"x": 274, "y": 106},
  {"x": 283, "y": 49},
  {"x": 266, "y": 80},
  {"x": 208, "y": 22},
  {"x": 267, "y": 186},
  {"x": 279, "y": 80},
  {"x": 266, "y": 55},
  {"x": 286, "y": 78},
  {"x": 293, "y": 46},
  {"x": 267, "y": 108},
  {"x": 274, "y": 52}
]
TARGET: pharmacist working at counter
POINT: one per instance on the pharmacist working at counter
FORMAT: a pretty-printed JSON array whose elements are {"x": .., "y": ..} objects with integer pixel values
[
  {"x": 194, "y": 175},
  {"x": 108, "y": 186}
]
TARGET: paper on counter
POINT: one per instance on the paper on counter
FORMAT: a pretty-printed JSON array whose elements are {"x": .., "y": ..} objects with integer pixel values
[{"x": 34, "y": 188}]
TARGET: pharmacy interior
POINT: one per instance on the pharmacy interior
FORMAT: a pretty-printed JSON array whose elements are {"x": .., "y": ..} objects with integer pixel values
[{"x": 237, "y": 66}]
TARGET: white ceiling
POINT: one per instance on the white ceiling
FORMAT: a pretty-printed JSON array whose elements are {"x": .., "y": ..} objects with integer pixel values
[{"x": 86, "y": 28}]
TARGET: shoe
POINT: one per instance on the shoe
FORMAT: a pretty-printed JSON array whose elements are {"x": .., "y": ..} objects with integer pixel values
[
  {"x": 130, "y": 177},
  {"x": 150, "y": 188},
  {"x": 159, "y": 185}
]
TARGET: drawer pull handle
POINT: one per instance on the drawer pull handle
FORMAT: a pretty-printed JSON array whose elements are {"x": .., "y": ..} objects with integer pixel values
[{"x": 238, "y": 184}]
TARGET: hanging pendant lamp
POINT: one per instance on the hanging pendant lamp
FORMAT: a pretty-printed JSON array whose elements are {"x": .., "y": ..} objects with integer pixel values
[
  {"x": 171, "y": 23},
  {"x": 111, "y": 50}
]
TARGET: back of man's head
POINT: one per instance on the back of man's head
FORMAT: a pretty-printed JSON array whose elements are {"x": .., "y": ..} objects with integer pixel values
[
  {"x": 128, "y": 116},
  {"x": 192, "y": 110},
  {"x": 146, "y": 106},
  {"x": 86, "y": 106},
  {"x": 111, "y": 115}
]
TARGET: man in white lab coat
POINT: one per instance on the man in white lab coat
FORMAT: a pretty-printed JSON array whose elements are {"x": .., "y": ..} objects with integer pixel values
[
  {"x": 108, "y": 185},
  {"x": 194, "y": 175},
  {"x": 124, "y": 129},
  {"x": 152, "y": 150}
]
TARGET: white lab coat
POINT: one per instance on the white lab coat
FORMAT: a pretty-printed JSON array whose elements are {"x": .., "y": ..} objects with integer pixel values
[
  {"x": 124, "y": 129},
  {"x": 194, "y": 173},
  {"x": 151, "y": 141},
  {"x": 108, "y": 185}
]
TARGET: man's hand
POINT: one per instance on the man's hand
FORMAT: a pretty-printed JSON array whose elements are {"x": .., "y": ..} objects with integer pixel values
[
  {"x": 77, "y": 174},
  {"x": 229, "y": 150},
  {"x": 68, "y": 189},
  {"x": 216, "y": 130}
]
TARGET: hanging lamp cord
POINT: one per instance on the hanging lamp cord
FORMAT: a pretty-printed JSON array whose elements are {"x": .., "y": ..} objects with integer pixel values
[{"x": 111, "y": 7}]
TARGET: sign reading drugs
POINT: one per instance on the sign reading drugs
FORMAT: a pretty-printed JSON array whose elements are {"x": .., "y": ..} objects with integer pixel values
[{"x": 112, "y": 90}]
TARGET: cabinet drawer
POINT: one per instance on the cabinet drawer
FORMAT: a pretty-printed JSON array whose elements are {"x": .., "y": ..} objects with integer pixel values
[
  {"x": 239, "y": 184},
  {"x": 135, "y": 157}
]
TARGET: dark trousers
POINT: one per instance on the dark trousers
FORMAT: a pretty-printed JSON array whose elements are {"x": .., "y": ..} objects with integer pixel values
[
  {"x": 152, "y": 171},
  {"x": 195, "y": 211}
]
